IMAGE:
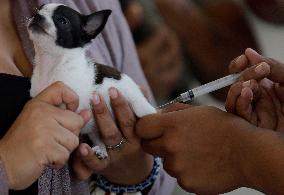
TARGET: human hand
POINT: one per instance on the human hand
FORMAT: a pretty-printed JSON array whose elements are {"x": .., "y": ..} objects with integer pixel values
[
  {"x": 257, "y": 99},
  {"x": 127, "y": 165},
  {"x": 199, "y": 146},
  {"x": 42, "y": 135}
]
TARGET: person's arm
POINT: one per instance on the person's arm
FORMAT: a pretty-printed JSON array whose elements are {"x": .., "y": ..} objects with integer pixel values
[
  {"x": 211, "y": 152},
  {"x": 262, "y": 160},
  {"x": 42, "y": 135},
  {"x": 207, "y": 29}
]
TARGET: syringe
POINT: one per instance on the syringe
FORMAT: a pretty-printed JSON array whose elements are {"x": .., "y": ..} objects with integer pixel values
[{"x": 205, "y": 89}]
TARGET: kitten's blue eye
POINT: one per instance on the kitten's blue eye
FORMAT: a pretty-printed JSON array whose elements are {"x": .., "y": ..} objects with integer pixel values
[{"x": 63, "y": 20}]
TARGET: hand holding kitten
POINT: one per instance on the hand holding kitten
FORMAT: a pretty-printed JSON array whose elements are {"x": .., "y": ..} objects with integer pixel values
[{"x": 43, "y": 135}]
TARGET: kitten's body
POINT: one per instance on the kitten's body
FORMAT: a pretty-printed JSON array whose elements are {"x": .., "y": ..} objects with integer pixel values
[{"x": 59, "y": 59}]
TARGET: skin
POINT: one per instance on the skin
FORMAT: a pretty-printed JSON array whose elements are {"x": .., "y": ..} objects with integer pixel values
[
  {"x": 225, "y": 152},
  {"x": 12, "y": 56},
  {"x": 61, "y": 126},
  {"x": 52, "y": 135},
  {"x": 85, "y": 162},
  {"x": 258, "y": 100}
]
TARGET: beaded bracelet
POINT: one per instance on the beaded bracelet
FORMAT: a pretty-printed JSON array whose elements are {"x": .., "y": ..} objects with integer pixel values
[{"x": 107, "y": 186}]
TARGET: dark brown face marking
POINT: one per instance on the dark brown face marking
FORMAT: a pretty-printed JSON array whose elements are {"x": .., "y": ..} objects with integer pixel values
[{"x": 103, "y": 71}]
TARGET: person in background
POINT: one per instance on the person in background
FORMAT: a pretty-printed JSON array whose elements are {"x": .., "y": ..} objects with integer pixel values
[
  {"x": 211, "y": 33},
  {"x": 210, "y": 151},
  {"x": 158, "y": 48}
]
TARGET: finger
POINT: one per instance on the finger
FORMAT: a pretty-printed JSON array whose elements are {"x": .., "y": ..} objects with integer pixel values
[
  {"x": 266, "y": 111},
  {"x": 253, "y": 57},
  {"x": 123, "y": 113},
  {"x": 270, "y": 88},
  {"x": 69, "y": 120},
  {"x": 57, "y": 155},
  {"x": 175, "y": 107},
  {"x": 243, "y": 104},
  {"x": 238, "y": 64},
  {"x": 80, "y": 170},
  {"x": 66, "y": 138},
  {"x": 86, "y": 115},
  {"x": 57, "y": 94},
  {"x": 279, "y": 90},
  {"x": 154, "y": 147},
  {"x": 90, "y": 160},
  {"x": 276, "y": 68},
  {"x": 232, "y": 97},
  {"x": 152, "y": 126},
  {"x": 108, "y": 130},
  {"x": 256, "y": 72}
]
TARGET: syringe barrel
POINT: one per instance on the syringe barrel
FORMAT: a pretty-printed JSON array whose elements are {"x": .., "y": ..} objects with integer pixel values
[
  {"x": 215, "y": 85},
  {"x": 187, "y": 96}
]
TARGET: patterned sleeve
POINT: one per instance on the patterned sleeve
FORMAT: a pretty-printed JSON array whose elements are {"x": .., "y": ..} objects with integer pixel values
[
  {"x": 164, "y": 184},
  {"x": 4, "y": 188}
]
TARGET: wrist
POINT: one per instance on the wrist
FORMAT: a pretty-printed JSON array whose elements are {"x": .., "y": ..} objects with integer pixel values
[
  {"x": 144, "y": 186},
  {"x": 261, "y": 162},
  {"x": 136, "y": 171}
]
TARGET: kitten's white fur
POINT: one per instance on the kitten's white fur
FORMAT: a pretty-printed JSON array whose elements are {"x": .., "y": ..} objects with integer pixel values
[{"x": 71, "y": 66}]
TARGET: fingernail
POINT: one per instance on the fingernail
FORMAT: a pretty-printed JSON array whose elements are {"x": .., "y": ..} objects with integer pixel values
[
  {"x": 84, "y": 151},
  {"x": 96, "y": 99},
  {"x": 253, "y": 51},
  {"x": 246, "y": 84},
  {"x": 113, "y": 93},
  {"x": 246, "y": 92},
  {"x": 240, "y": 59},
  {"x": 262, "y": 69}
]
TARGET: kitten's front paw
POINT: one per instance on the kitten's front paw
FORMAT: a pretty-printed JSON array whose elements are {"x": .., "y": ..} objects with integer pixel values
[{"x": 100, "y": 152}]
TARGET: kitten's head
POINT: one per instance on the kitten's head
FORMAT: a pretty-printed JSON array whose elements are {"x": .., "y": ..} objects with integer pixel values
[{"x": 56, "y": 25}]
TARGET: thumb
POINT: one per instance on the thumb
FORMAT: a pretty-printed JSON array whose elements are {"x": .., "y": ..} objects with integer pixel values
[
  {"x": 276, "y": 67},
  {"x": 253, "y": 57},
  {"x": 58, "y": 94},
  {"x": 152, "y": 126},
  {"x": 86, "y": 115},
  {"x": 80, "y": 169}
]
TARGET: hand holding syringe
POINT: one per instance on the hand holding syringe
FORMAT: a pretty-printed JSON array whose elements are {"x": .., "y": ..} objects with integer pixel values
[{"x": 205, "y": 89}]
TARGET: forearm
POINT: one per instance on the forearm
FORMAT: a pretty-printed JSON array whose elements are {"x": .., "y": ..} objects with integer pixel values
[{"x": 262, "y": 160}]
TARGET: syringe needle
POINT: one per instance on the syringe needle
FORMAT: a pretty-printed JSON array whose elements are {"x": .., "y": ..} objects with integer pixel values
[{"x": 169, "y": 103}]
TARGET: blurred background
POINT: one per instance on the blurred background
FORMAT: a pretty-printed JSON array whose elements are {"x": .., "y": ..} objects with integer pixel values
[{"x": 184, "y": 43}]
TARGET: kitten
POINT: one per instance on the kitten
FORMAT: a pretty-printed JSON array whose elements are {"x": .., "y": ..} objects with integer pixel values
[{"x": 60, "y": 36}]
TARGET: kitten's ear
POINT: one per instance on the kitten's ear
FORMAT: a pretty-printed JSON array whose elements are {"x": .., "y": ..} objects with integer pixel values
[{"x": 95, "y": 23}]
